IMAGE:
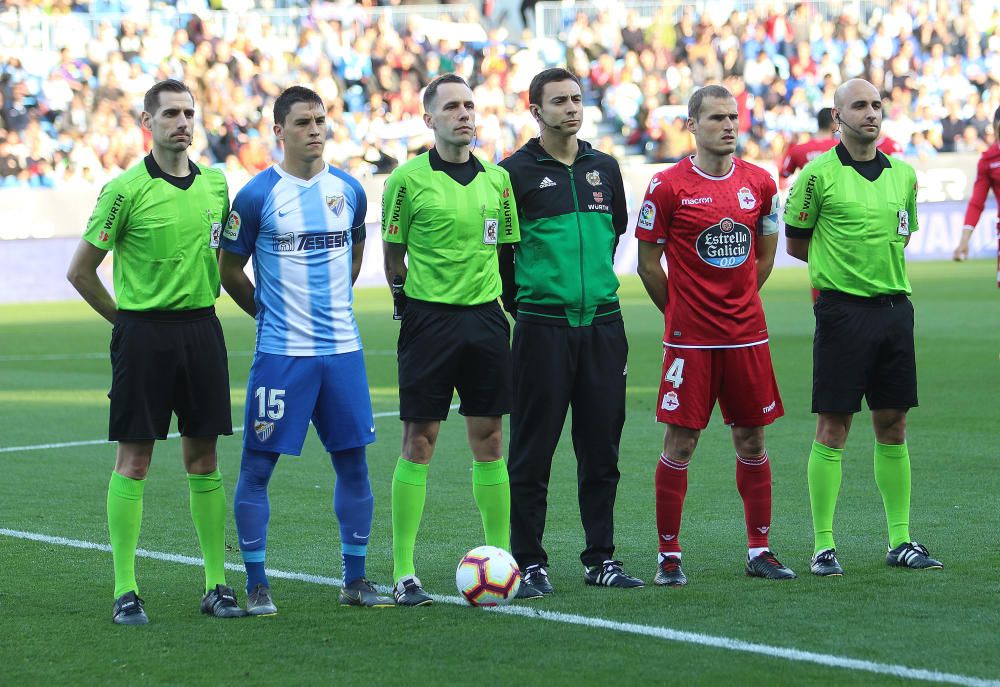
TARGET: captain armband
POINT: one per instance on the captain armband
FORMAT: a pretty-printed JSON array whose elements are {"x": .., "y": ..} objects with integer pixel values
[{"x": 769, "y": 224}]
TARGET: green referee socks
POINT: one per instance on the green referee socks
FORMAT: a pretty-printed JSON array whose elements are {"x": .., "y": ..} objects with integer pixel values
[
  {"x": 409, "y": 491},
  {"x": 491, "y": 489},
  {"x": 824, "y": 474},
  {"x": 208, "y": 510},
  {"x": 124, "y": 520},
  {"x": 892, "y": 475}
]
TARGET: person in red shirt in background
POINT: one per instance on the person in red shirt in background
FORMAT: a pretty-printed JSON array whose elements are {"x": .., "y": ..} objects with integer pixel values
[
  {"x": 714, "y": 217},
  {"x": 987, "y": 176},
  {"x": 889, "y": 146},
  {"x": 798, "y": 154}
]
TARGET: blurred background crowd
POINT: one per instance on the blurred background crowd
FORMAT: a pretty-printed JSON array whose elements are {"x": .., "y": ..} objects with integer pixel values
[{"x": 72, "y": 75}]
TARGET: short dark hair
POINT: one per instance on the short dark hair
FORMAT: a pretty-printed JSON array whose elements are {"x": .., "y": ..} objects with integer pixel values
[
  {"x": 824, "y": 118},
  {"x": 290, "y": 96},
  {"x": 151, "y": 101},
  {"x": 432, "y": 88},
  {"x": 713, "y": 91},
  {"x": 996, "y": 117},
  {"x": 549, "y": 76}
]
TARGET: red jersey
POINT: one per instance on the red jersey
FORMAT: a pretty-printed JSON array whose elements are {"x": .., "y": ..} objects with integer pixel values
[
  {"x": 708, "y": 227},
  {"x": 987, "y": 176},
  {"x": 798, "y": 154},
  {"x": 889, "y": 146}
]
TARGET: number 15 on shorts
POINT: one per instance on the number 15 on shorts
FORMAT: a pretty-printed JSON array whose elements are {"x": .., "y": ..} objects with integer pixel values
[{"x": 270, "y": 403}]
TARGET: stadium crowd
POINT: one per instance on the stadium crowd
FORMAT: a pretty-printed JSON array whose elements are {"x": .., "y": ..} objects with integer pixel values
[{"x": 71, "y": 117}]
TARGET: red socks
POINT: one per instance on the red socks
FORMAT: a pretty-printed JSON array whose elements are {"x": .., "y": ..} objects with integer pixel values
[
  {"x": 671, "y": 486},
  {"x": 753, "y": 480}
]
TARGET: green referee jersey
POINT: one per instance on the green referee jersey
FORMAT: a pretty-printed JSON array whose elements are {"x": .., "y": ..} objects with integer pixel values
[
  {"x": 164, "y": 232},
  {"x": 450, "y": 231},
  {"x": 857, "y": 228}
]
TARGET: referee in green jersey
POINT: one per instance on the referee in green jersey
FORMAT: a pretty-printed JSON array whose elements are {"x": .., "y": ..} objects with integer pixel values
[
  {"x": 850, "y": 216},
  {"x": 447, "y": 212},
  {"x": 569, "y": 346},
  {"x": 163, "y": 218}
]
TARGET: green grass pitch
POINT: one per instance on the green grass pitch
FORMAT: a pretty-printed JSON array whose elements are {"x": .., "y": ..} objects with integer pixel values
[{"x": 55, "y": 600}]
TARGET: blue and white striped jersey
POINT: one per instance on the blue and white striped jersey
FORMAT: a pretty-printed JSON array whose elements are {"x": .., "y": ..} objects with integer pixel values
[{"x": 299, "y": 233}]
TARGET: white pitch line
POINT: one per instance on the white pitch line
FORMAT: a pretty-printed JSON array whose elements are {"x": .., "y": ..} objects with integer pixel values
[
  {"x": 172, "y": 435},
  {"x": 44, "y": 357},
  {"x": 655, "y": 632}
]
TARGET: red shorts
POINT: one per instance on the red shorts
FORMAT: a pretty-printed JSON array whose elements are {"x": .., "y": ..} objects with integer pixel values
[{"x": 741, "y": 379}]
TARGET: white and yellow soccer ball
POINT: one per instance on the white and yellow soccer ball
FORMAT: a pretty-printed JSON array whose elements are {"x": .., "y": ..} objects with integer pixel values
[{"x": 488, "y": 576}]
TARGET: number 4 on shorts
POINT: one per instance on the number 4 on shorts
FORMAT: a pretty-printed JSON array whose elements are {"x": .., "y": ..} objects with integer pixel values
[{"x": 675, "y": 373}]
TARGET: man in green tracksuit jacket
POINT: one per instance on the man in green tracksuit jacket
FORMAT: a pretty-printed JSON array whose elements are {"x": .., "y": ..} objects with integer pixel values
[{"x": 569, "y": 344}]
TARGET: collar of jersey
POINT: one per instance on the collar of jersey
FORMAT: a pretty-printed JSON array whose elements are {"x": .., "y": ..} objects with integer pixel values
[
  {"x": 848, "y": 161},
  {"x": 700, "y": 172},
  {"x": 296, "y": 180},
  {"x": 183, "y": 183}
]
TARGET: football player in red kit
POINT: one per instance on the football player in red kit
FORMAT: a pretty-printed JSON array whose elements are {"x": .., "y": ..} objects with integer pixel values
[
  {"x": 987, "y": 177},
  {"x": 715, "y": 219}
]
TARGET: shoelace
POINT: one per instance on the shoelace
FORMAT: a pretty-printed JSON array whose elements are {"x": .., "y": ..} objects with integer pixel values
[
  {"x": 613, "y": 566},
  {"x": 366, "y": 585},
  {"x": 826, "y": 556},
  {"x": 771, "y": 558},
  {"x": 670, "y": 564},
  {"x": 534, "y": 572},
  {"x": 919, "y": 548}
]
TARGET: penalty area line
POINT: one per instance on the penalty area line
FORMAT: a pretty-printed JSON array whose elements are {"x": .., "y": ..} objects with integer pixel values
[{"x": 652, "y": 631}]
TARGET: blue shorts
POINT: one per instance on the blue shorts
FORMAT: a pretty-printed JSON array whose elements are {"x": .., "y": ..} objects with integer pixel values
[{"x": 285, "y": 392}]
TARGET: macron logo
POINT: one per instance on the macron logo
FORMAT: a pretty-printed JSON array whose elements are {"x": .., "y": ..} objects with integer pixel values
[
  {"x": 546, "y": 183},
  {"x": 653, "y": 183},
  {"x": 695, "y": 201}
]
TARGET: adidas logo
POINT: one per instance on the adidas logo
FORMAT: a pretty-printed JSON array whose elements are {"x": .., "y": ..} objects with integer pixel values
[{"x": 546, "y": 183}]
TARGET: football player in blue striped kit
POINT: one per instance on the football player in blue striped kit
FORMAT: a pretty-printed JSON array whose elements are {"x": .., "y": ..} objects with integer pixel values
[{"x": 303, "y": 224}]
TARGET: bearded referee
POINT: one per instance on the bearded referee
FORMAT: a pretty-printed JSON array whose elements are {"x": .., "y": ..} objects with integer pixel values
[
  {"x": 447, "y": 212},
  {"x": 850, "y": 216}
]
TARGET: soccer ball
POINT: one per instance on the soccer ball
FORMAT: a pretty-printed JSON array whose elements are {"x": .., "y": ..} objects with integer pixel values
[{"x": 488, "y": 576}]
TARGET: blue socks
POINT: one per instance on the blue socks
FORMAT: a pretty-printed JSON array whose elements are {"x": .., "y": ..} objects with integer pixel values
[
  {"x": 352, "y": 503},
  {"x": 252, "y": 511}
]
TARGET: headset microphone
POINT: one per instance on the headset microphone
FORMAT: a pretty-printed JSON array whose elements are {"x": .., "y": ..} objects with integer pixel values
[{"x": 843, "y": 123}]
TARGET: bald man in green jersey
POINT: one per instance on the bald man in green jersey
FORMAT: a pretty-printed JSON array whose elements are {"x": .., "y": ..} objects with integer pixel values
[
  {"x": 163, "y": 219},
  {"x": 850, "y": 216},
  {"x": 447, "y": 212}
]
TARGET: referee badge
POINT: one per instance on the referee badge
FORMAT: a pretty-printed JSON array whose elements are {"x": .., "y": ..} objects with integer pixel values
[
  {"x": 903, "y": 229},
  {"x": 490, "y": 226}
]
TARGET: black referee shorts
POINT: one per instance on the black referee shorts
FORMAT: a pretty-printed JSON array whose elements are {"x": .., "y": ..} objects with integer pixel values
[
  {"x": 863, "y": 347},
  {"x": 165, "y": 362},
  {"x": 447, "y": 347}
]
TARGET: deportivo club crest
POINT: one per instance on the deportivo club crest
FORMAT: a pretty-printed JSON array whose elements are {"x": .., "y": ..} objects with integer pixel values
[
  {"x": 335, "y": 203},
  {"x": 594, "y": 178},
  {"x": 747, "y": 201}
]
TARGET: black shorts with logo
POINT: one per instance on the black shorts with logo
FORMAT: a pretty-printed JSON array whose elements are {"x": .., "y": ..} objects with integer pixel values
[
  {"x": 165, "y": 362},
  {"x": 863, "y": 347},
  {"x": 447, "y": 347}
]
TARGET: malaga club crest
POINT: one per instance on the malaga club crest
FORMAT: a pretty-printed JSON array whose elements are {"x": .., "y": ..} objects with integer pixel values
[
  {"x": 263, "y": 430},
  {"x": 336, "y": 203}
]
